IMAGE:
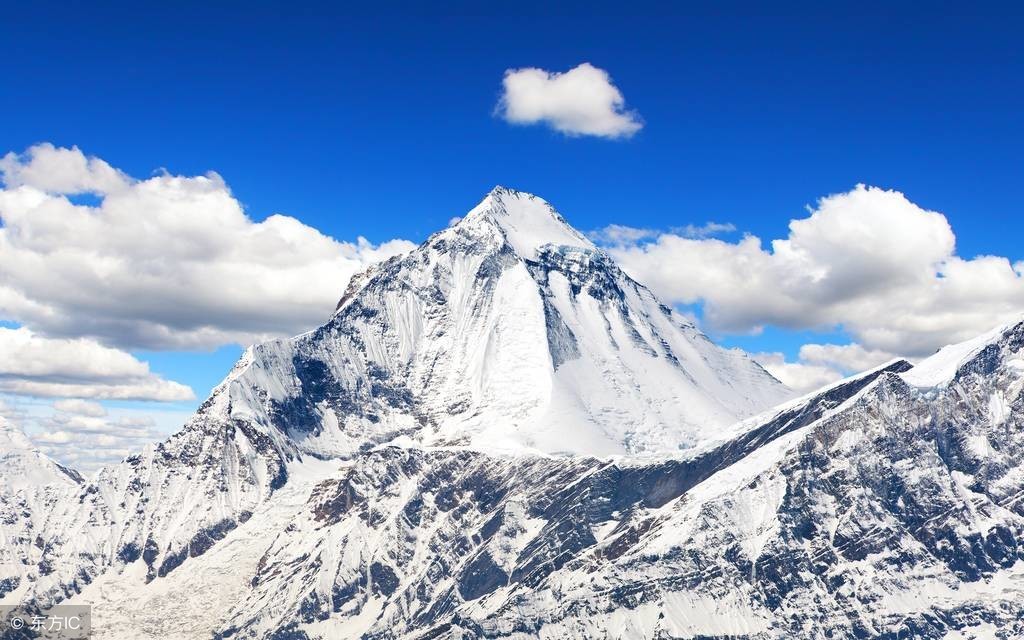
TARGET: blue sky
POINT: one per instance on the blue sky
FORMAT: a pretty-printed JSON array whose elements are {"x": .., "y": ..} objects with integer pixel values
[{"x": 383, "y": 125}]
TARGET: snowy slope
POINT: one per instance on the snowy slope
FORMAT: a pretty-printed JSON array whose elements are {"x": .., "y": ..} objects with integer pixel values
[
  {"x": 409, "y": 541},
  {"x": 171, "y": 502},
  {"x": 942, "y": 368},
  {"x": 23, "y": 466},
  {"x": 30, "y": 486},
  {"x": 871, "y": 509}
]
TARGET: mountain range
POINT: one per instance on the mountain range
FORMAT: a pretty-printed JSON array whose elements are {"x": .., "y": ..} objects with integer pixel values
[{"x": 501, "y": 434}]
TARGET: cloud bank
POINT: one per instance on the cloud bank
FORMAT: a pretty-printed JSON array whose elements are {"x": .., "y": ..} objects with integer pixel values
[
  {"x": 579, "y": 102},
  {"x": 168, "y": 262},
  {"x": 33, "y": 365},
  {"x": 868, "y": 261},
  {"x": 799, "y": 376},
  {"x": 83, "y": 435}
]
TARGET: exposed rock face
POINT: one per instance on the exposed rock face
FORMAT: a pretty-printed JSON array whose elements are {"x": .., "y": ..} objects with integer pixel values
[
  {"x": 169, "y": 503},
  {"x": 502, "y": 435},
  {"x": 875, "y": 508}
]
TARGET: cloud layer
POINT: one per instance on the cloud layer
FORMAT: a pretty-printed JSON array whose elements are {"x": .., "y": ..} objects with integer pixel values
[
  {"x": 621, "y": 235},
  {"x": 821, "y": 364},
  {"x": 86, "y": 438},
  {"x": 579, "y": 102},
  {"x": 869, "y": 261},
  {"x": 799, "y": 376},
  {"x": 33, "y": 365},
  {"x": 161, "y": 263},
  {"x": 173, "y": 262},
  {"x": 168, "y": 262}
]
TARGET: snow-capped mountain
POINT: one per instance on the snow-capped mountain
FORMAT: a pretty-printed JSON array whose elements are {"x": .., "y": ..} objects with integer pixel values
[
  {"x": 22, "y": 466},
  {"x": 31, "y": 485},
  {"x": 885, "y": 506},
  {"x": 500, "y": 434},
  {"x": 509, "y": 331}
]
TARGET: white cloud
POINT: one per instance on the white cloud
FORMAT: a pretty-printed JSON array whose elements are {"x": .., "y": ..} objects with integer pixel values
[
  {"x": 34, "y": 365},
  {"x": 579, "y": 102},
  {"x": 706, "y": 230},
  {"x": 821, "y": 364},
  {"x": 5, "y": 409},
  {"x": 89, "y": 442},
  {"x": 619, "y": 235},
  {"x": 76, "y": 406},
  {"x": 61, "y": 170},
  {"x": 869, "y": 261},
  {"x": 166, "y": 262},
  {"x": 848, "y": 358},
  {"x": 798, "y": 376},
  {"x": 86, "y": 435}
]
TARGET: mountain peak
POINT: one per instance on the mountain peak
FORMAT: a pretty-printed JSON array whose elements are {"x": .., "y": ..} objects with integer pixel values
[
  {"x": 499, "y": 190},
  {"x": 984, "y": 351},
  {"x": 507, "y": 331},
  {"x": 22, "y": 465},
  {"x": 13, "y": 438},
  {"x": 528, "y": 222}
]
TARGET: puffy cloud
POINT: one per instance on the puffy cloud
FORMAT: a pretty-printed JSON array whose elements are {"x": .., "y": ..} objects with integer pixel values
[
  {"x": 61, "y": 170},
  {"x": 868, "y": 261},
  {"x": 34, "y": 365},
  {"x": 165, "y": 262},
  {"x": 821, "y": 364},
  {"x": 800, "y": 377},
  {"x": 849, "y": 358},
  {"x": 579, "y": 102}
]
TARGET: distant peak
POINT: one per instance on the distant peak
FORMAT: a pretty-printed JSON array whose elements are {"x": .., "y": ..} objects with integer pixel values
[
  {"x": 12, "y": 438},
  {"x": 527, "y": 221},
  {"x": 22, "y": 464},
  {"x": 501, "y": 196}
]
